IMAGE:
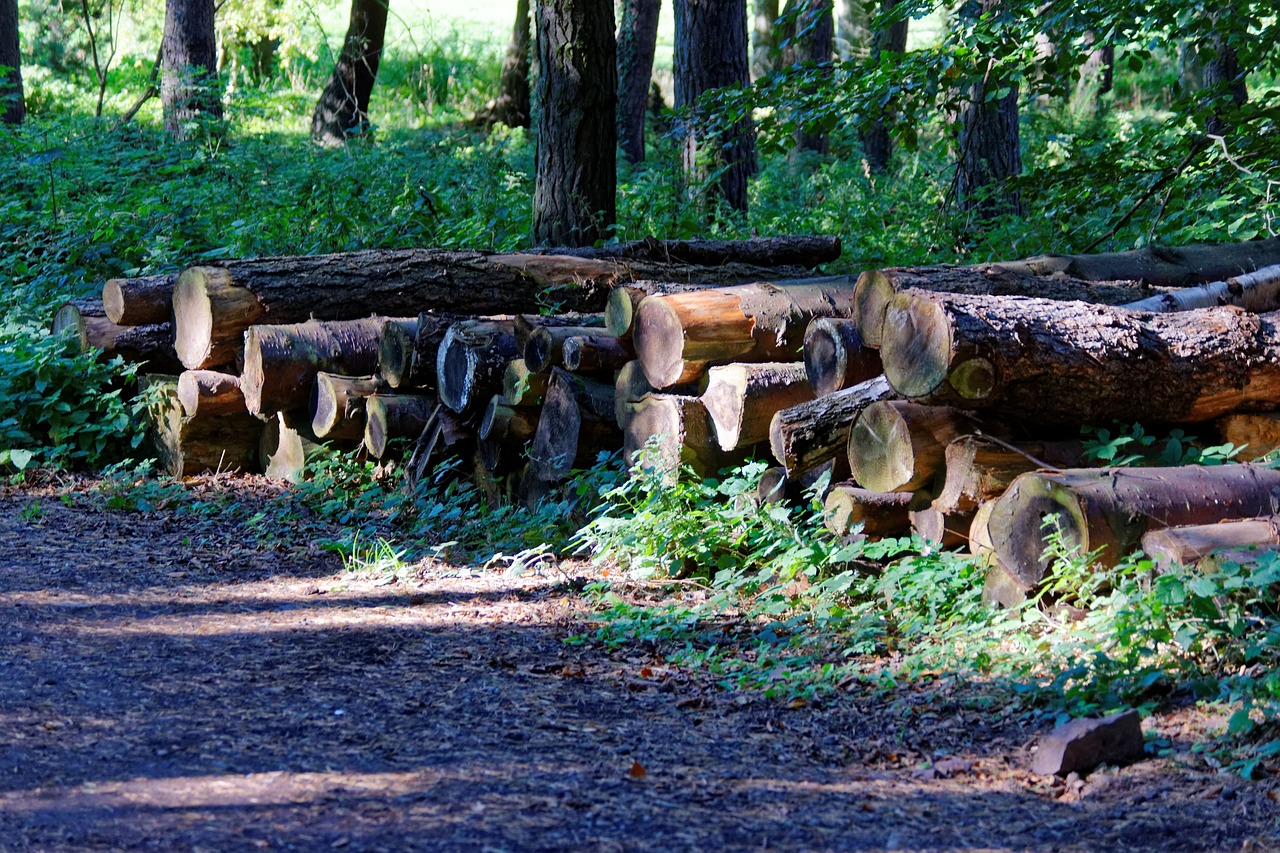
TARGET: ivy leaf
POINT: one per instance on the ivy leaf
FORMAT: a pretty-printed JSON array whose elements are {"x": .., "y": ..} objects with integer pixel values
[{"x": 21, "y": 458}]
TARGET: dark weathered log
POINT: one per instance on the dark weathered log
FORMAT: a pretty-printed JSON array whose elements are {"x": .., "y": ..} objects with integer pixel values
[
  {"x": 899, "y": 446},
  {"x": 214, "y": 304},
  {"x": 835, "y": 356},
  {"x": 392, "y": 416},
  {"x": 511, "y": 425},
  {"x": 804, "y": 436},
  {"x": 1161, "y": 266},
  {"x": 471, "y": 360},
  {"x": 209, "y": 393},
  {"x": 521, "y": 386},
  {"x": 880, "y": 514},
  {"x": 876, "y": 288},
  {"x": 596, "y": 353},
  {"x": 678, "y": 336},
  {"x": 1258, "y": 434},
  {"x": 141, "y": 301},
  {"x": 338, "y": 410},
  {"x": 631, "y": 385},
  {"x": 85, "y": 323},
  {"x": 445, "y": 434},
  {"x": 979, "y": 469},
  {"x": 1071, "y": 363},
  {"x": 281, "y": 362},
  {"x": 664, "y": 432},
  {"x": 207, "y": 441},
  {"x": 799, "y": 251},
  {"x": 1256, "y": 291},
  {"x": 1104, "y": 513},
  {"x": 408, "y": 349},
  {"x": 1228, "y": 541},
  {"x": 577, "y": 422},
  {"x": 545, "y": 348},
  {"x": 743, "y": 398},
  {"x": 773, "y": 485},
  {"x": 527, "y": 324}
]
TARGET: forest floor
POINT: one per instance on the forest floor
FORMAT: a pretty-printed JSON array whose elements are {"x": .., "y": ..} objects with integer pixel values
[{"x": 172, "y": 684}]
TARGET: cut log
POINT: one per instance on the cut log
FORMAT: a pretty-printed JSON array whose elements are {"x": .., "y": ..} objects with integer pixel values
[
  {"x": 876, "y": 289},
  {"x": 979, "y": 469},
  {"x": 1161, "y": 266},
  {"x": 596, "y": 353},
  {"x": 142, "y": 301},
  {"x": 214, "y": 304},
  {"x": 1256, "y": 291},
  {"x": 678, "y": 336},
  {"x": 207, "y": 441},
  {"x": 1071, "y": 363},
  {"x": 880, "y": 514},
  {"x": 507, "y": 424},
  {"x": 624, "y": 301},
  {"x": 980, "y": 544},
  {"x": 743, "y": 398},
  {"x": 664, "y": 432},
  {"x": 775, "y": 486},
  {"x": 521, "y": 386},
  {"x": 471, "y": 360},
  {"x": 1258, "y": 434},
  {"x": 835, "y": 356},
  {"x": 446, "y": 434},
  {"x": 338, "y": 410},
  {"x": 208, "y": 393},
  {"x": 631, "y": 385},
  {"x": 392, "y": 416},
  {"x": 1108, "y": 511},
  {"x": 939, "y": 529},
  {"x": 281, "y": 362},
  {"x": 85, "y": 323},
  {"x": 899, "y": 446},
  {"x": 1231, "y": 541},
  {"x": 804, "y": 436},
  {"x": 408, "y": 349},
  {"x": 545, "y": 348},
  {"x": 576, "y": 424},
  {"x": 287, "y": 446},
  {"x": 801, "y": 251},
  {"x": 772, "y": 488}
]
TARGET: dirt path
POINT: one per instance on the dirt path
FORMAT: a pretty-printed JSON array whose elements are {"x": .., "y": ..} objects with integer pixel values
[{"x": 169, "y": 691}]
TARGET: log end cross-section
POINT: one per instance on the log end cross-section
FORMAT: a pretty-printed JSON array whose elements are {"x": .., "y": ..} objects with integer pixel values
[{"x": 209, "y": 314}]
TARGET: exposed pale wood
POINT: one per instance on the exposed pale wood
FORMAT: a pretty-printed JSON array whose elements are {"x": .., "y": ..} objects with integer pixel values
[
  {"x": 209, "y": 393},
  {"x": 880, "y": 514},
  {"x": 471, "y": 360},
  {"x": 545, "y": 348},
  {"x": 899, "y": 446},
  {"x": 624, "y": 301},
  {"x": 663, "y": 432},
  {"x": 743, "y": 398},
  {"x": 208, "y": 441},
  {"x": 521, "y": 386},
  {"x": 392, "y": 416},
  {"x": 1256, "y": 291},
  {"x": 287, "y": 446},
  {"x": 1164, "y": 266},
  {"x": 141, "y": 301},
  {"x": 281, "y": 362},
  {"x": 942, "y": 530},
  {"x": 512, "y": 425},
  {"x": 978, "y": 469},
  {"x": 835, "y": 356},
  {"x": 1258, "y": 434},
  {"x": 804, "y": 436},
  {"x": 679, "y": 335},
  {"x": 1231, "y": 541},
  {"x": 1071, "y": 363},
  {"x": 575, "y": 425},
  {"x": 596, "y": 353},
  {"x": 630, "y": 386},
  {"x": 339, "y": 406},
  {"x": 85, "y": 324}
]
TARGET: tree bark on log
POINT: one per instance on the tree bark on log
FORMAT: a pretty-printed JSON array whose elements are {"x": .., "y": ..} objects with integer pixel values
[
  {"x": 804, "y": 436},
  {"x": 1258, "y": 434},
  {"x": 523, "y": 387},
  {"x": 835, "y": 356},
  {"x": 139, "y": 301},
  {"x": 207, "y": 393},
  {"x": 545, "y": 348},
  {"x": 596, "y": 353},
  {"x": 880, "y": 514},
  {"x": 979, "y": 470},
  {"x": 631, "y": 385},
  {"x": 86, "y": 323},
  {"x": 339, "y": 407},
  {"x": 576, "y": 424},
  {"x": 503, "y": 422},
  {"x": 392, "y": 416},
  {"x": 1257, "y": 291},
  {"x": 799, "y": 251},
  {"x": 214, "y": 305},
  {"x": 743, "y": 398},
  {"x": 1161, "y": 266},
  {"x": 408, "y": 349},
  {"x": 899, "y": 446},
  {"x": 1108, "y": 511},
  {"x": 281, "y": 362},
  {"x": 1071, "y": 363},
  {"x": 678, "y": 336},
  {"x": 663, "y": 432},
  {"x": 207, "y": 441},
  {"x": 1229, "y": 541},
  {"x": 527, "y": 324},
  {"x": 471, "y": 360}
]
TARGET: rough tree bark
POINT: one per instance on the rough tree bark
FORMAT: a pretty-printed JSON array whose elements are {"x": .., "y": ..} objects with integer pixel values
[
  {"x": 764, "y": 38},
  {"x": 574, "y": 201},
  {"x": 13, "y": 107},
  {"x": 512, "y": 106},
  {"x": 989, "y": 155},
  {"x": 188, "y": 88},
  {"x": 637, "y": 41},
  {"x": 812, "y": 33},
  {"x": 711, "y": 53},
  {"x": 890, "y": 38},
  {"x": 343, "y": 108},
  {"x": 1223, "y": 76}
]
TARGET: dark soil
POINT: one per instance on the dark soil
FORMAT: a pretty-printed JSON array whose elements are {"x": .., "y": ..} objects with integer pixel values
[{"x": 169, "y": 683}]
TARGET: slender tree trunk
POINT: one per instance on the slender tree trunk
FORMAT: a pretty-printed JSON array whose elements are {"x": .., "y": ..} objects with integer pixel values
[
  {"x": 574, "y": 201},
  {"x": 512, "y": 107},
  {"x": 637, "y": 41},
  {"x": 711, "y": 53},
  {"x": 188, "y": 89},
  {"x": 1095, "y": 80},
  {"x": 876, "y": 144},
  {"x": 812, "y": 42},
  {"x": 343, "y": 108},
  {"x": 764, "y": 38},
  {"x": 1222, "y": 72},
  {"x": 13, "y": 108},
  {"x": 989, "y": 154},
  {"x": 853, "y": 32}
]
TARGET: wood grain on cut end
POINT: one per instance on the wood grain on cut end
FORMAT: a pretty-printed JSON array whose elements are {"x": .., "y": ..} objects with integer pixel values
[
  {"x": 208, "y": 392},
  {"x": 915, "y": 345}
]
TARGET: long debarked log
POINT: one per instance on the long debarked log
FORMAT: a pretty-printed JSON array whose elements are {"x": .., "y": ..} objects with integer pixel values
[
  {"x": 663, "y": 432},
  {"x": 979, "y": 469},
  {"x": 880, "y": 514},
  {"x": 140, "y": 301},
  {"x": 1161, "y": 266},
  {"x": 1071, "y": 363},
  {"x": 808, "y": 250},
  {"x": 835, "y": 356},
  {"x": 678, "y": 336},
  {"x": 209, "y": 393},
  {"x": 577, "y": 422},
  {"x": 1256, "y": 291},
  {"x": 281, "y": 362},
  {"x": 391, "y": 416},
  {"x": 85, "y": 322},
  {"x": 214, "y": 304},
  {"x": 899, "y": 446},
  {"x": 471, "y": 360},
  {"x": 804, "y": 436},
  {"x": 338, "y": 408},
  {"x": 1107, "y": 511},
  {"x": 207, "y": 441},
  {"x": 743, "y": 398},
  {"x": 1228, "y": 541}
]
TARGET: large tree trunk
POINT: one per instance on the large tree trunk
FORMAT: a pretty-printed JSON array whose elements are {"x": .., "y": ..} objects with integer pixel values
[
  {"x": 876, "y": 144},
  {"x": 189, "y": 88},
  {"x": 13, "y": 106},
  {"x": 343, "y": 108},
  {"x": 1223, "y": 76},
  {"x": 809, "y": 434},
  {"x": 574, "y": 202},
  {"x": 512, "y": 106},
  {"x": 637, "y": 41},
  {"x": 711, "y": 53},
  {"x": 1072, "y": 363},
  {"x": 764, "y": 38},
  {"x": 989, "y": 154},
  {"x": 811, "y": 42}
]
